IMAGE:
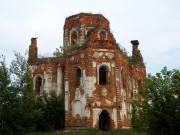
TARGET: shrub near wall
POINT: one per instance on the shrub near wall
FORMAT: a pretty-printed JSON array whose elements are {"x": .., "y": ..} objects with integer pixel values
[{"x": 52, "y": 112}]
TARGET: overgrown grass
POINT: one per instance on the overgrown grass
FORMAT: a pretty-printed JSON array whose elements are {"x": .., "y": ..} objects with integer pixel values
[{"x": 93, "y": 132}]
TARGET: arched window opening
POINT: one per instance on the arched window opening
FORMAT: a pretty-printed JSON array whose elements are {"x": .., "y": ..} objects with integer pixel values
[
  {"x": 103, "y": 75},
  {"x": 78, "y": 77},
  {"x": 131, "y": 88},
  {"x": 102, "y": 35},
  {"x": 123, "y": 83},
  {"x": 74, "y": 37},
  {"x": 38, "y": 85},
  {"x": 104, "y": 121},
  {"x": 140, "y": 87}
]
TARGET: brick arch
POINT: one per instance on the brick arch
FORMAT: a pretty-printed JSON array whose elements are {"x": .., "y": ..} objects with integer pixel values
[
  {"x": 38, "y": 71},
  {"x": 102, "y": 34},
  {"x": 110, "y": 115},
  {"x": 38, "y": 81},
  {"x": 73, "y": 37}
]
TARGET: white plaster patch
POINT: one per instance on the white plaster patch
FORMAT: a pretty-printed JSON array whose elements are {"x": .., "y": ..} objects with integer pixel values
[
  {"x": 77, "y": 108},
  {"x": 115, "y": 116},
  {"x": 95, "y": 116},
  {"x": 89, "y": 93},
  {"x": 94, "y": 64},
  {"x": 103, "y": 50},
  {"x": 113, "y": 64},
  {"x": 97, "y": 54},
  {"x": 114, "y": 99},
  {"x": 87, "y": 113},
  {"x": 77, "y": 94},
  {"x": 96, "y": 103},
  {"x": 72, "y": 58},
  {"x": 123, "y": 111},
  {"x": 108, "y": 102},
  {"x": 89, "y": 84},
  {"x": 82, "y": 55},
  {"x": 59, "y": 81},
  {"x": 104, "y": 91},
  {"x": 109, "y": 55},
  {"x": 66, "y": 102},
  {"x": 66, "y": 85},
  {"x": 33, "y": 68},
  {"x": 42, "y": 67},
  {"x": 48, "y": 81},
  {"x": 123, "y": 92}
]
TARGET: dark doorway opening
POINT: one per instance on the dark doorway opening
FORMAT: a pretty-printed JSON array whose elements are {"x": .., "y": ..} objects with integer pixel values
[{"x": 104, "y": 121}]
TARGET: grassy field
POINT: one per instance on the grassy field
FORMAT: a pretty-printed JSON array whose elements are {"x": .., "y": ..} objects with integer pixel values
[{"x": 92, "y": 132}]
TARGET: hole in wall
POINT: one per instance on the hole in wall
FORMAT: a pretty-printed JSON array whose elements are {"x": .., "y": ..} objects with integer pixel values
[{"x": 104, "y": 121}]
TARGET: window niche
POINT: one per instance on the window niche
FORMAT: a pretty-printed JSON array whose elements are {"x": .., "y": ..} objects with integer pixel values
[
  {"x": 102, "y": 35},
  {"x": 139, "y": 86},
  {"x": 103, "y": 75},
  {"x": 38, "y": 85},
  {"x": 123, "y": 82},
  {"x": 78, "y": 77},
  {"x": 74, "y": 37}
]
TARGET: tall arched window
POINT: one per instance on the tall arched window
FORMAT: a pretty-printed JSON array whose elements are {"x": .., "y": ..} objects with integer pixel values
[
  {"x": 123, "y": 83},
  {"x": 103, "y": 75},
  {"x": 74, "y": 37},
  {"x": 78, "y": 77},
  {"x": 139, "y": 87},
  {"x": 38, "y": 85}
]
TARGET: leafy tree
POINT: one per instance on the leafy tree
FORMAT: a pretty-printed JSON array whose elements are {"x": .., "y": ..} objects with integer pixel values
[
  {"x": 52, "y": 108},
  {"x": 160, "y": 109},
  {"x": 18, "y": 111},
  {"x": 4, "y": 74},
  {"x": 58, "y": 52},
  {"x": 4, "y": 82}
]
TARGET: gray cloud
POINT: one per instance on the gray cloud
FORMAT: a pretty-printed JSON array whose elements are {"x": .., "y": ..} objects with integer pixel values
[{"x": 154, "y": 23}]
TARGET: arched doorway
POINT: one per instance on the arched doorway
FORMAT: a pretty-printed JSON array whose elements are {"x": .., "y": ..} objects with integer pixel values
[{"x": 104, "y": 121}]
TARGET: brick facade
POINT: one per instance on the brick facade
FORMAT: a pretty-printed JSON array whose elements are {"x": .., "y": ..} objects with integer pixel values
[{"x": 96, "y": 77}]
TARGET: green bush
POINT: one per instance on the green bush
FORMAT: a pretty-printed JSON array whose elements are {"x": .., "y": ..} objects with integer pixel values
[{"x": 52, "y": 112}]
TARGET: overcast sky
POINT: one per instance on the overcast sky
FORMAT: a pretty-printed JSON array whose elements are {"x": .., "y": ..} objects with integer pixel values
[{"x": 155, "y": 23}]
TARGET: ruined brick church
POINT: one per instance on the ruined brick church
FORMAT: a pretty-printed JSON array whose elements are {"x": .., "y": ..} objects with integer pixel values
[{"x": 94, "y": 74}]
